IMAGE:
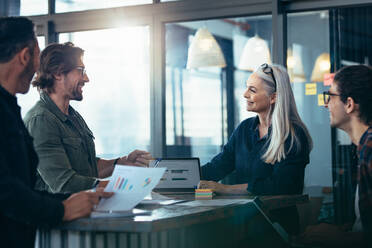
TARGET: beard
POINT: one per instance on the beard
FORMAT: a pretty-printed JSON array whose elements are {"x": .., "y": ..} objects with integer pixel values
[
  {"x": 77, "y": 94},
  {"x": 26, "y": 77}
]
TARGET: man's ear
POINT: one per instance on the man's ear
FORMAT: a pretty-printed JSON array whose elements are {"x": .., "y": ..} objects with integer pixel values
[
  {"x": 350, "y": 105},
  {"x": 57, "y": 76},
  {"x": 24, "y": 56}
]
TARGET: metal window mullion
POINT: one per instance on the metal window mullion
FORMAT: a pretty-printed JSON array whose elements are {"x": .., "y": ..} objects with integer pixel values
[
  {"x": 157, "y": 110},
  {"x": 279, "y": 27},
  {"x": 51, "y": 7},
  {"x": 307, "y": 5}
]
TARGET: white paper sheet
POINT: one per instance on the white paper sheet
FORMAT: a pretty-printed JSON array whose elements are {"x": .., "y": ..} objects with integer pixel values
[
  {"x": 130, "y": 184},
  {"x": 115, "y": 214},
  {"x": 214, "y": 203}
]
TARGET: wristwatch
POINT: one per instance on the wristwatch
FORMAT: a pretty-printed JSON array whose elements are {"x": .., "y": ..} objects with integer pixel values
[
  {"x": 96, "y": 183},
  {"x": 115, "y": 161}
]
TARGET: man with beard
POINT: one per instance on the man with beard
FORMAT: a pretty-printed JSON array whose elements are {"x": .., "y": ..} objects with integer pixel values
[
  {"x": 22, "y": 208},
  {"x": 62, "y": 139}
]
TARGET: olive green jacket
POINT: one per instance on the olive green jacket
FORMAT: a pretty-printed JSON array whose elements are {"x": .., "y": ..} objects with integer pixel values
[{"x": 65, "y": 147}]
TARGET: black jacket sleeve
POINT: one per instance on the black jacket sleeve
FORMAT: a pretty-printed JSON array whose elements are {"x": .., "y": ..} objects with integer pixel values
[{"x": 25, "y": 205}]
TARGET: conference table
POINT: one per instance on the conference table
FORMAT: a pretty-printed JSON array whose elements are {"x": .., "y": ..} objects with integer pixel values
[{"x": 235, "y": 221}]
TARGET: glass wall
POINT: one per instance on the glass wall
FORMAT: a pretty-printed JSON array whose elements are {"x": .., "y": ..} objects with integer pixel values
[
  {"x": 204, "y": 102},
  {"x": 34, "y": 7},
  {"x": 309, "y": 65},
  {"x": 116, "y": 104},
  {"x": 78, "y": 5}
]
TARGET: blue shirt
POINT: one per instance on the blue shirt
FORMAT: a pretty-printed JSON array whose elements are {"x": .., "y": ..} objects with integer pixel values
[{"x": 243, "y": 154}]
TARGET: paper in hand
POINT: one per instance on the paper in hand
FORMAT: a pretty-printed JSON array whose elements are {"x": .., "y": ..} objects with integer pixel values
[{"x": 130, "y": 184}]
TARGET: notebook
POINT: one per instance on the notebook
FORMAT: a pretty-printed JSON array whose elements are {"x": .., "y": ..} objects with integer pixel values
[{"x": 181, "y": 177}]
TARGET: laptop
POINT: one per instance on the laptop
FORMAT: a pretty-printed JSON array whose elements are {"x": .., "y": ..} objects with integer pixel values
[{"x": 181, "y": 177}]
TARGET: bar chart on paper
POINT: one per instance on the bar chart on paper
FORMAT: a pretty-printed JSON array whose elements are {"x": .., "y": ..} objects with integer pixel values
[
  {"x": 122, "y": 184},
  {"x": 130, "y": 184}
]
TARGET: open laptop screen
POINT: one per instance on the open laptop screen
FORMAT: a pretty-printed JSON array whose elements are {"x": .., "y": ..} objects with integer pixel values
[{"x": 181, "y": 173}]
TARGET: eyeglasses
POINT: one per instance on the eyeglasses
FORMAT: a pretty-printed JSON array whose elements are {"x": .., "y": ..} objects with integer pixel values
[
  {"x": 82, "y": 69},
  {"x": 268, "y": 70},
  {"x": 327, "y": 96}
]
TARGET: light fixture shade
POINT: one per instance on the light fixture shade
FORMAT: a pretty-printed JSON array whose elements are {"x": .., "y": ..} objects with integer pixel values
[
  {"x": 204, "y": 51},
  {"x": 294, "y": 67},
  {"x": 321, "y": 67},
  {"x": 255, "y": 53}
]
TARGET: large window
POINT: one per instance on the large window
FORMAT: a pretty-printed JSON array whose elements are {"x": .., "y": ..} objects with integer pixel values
[
  {"x": 116, "y": 103},
  {"x": 201, "y": 98},
  {"x": 34, "y": 7},
  {"x": 77, "y": 5}
]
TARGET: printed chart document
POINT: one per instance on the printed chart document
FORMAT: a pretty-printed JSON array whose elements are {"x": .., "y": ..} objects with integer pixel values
[{"x": 130, "y": 184}]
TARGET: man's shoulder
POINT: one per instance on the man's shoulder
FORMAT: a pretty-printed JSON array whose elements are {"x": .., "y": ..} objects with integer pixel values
[
  {"x": 365, "y": 147},
  {"x": 38, "y": 111},
  {"x": 366, "y": 139}
]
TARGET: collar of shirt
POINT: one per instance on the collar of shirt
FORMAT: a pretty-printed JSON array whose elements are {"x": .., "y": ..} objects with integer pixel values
[
  {"x": 12, "y": 100},
  {"x": 44, "y": 97},
  {"x": 256, "y": 133},
  {"x": 363, "y": 140}
]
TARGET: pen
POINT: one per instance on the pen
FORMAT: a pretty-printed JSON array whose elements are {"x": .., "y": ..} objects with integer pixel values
[{"x": 157, "y": 162}]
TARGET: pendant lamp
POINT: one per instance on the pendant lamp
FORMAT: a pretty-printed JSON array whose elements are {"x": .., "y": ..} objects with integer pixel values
[
  {"x": 322, "y": 66},
  {"x": 294, "y": 67},
  {"x": 255, "y": 53},
  {"x": 204, "y": 51}
]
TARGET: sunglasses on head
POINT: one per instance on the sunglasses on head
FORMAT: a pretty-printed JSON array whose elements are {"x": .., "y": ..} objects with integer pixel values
[{"x": 269, "y": 71}]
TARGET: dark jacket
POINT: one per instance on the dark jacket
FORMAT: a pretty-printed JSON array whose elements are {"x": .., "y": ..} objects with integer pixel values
[
  {"x": 243, "y": 153},
  {"x": 22, "y": 209}
]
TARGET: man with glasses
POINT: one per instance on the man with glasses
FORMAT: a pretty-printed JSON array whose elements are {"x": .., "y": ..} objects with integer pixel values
[
  {"x": 23, "y": 209},
  {"x": 62, "y": 139},
  {"x": 349, "y": 101}
]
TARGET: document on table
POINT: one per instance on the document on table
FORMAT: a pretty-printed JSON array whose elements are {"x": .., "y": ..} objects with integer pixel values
[
  {"x": 158, "y": 199},
  {"x": 130, "y": 184},
  {"x": 116, "y": 214},
  {"x": 215, "y": 203}
]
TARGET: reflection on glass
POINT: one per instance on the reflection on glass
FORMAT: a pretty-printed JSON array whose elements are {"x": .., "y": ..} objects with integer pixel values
[
  {"x": 34, "y": 7},
  {"x": 28, "y": 100},
  {"x": 116, "y": 102},
  {"x": 197, "y": 121},
  {"x": 78, "y": 5},
  {"x": 308, "y": 38},
  {"x": 252, "y": 47}
]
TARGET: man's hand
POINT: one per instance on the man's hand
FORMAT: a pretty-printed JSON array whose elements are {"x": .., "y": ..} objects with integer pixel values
[
  {"x": 325, "y": 235},
  {"x": 103, "y": 184},
  {"x": 136, "y": 158},
  {"x": 82, "y": 204}
]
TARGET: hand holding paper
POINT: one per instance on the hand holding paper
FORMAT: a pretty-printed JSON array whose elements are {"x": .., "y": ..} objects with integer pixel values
[{"x": 130, "y": 185}]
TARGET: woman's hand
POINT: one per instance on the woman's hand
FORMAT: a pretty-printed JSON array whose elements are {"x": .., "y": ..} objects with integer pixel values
[
  {"x": 223, "y": 189},
  {"x": 218, "y": 188}
]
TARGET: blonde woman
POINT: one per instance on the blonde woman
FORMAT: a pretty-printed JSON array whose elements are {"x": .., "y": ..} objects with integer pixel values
[{"x": 268, "y": 152}]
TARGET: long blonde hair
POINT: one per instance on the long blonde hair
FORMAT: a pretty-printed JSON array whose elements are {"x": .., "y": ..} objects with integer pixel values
[{"x": 282, "y": 115}]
